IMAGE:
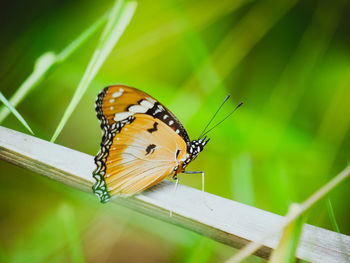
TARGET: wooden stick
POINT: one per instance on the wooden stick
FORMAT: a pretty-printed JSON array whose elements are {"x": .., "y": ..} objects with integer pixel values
[{"x": 223, "y": 220}]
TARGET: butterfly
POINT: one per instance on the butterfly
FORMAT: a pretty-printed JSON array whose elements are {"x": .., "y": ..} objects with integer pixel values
[{"x": 142, "y": 143}]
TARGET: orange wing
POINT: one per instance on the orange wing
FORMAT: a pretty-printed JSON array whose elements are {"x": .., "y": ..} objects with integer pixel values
[
  {"x": 142, "y": 153},
  {"x": 118, "y": 102},
  {"x": 118, "y": 98},
  {"x": 142, "y": 143}
]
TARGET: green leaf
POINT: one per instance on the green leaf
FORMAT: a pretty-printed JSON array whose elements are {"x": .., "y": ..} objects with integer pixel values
[
  {"x": 15, "y": 112},
  {"x": 118, "y": 20}
]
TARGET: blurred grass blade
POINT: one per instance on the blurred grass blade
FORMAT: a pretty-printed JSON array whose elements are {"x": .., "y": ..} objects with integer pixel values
[
  {"x": 231, "y": 50},
  {"x": 118, "y": 20},
  {"x": 317, "y": 196},
  {"x": 332, "y": 216},
  {"x": 15, "y": 112},
  {"x": 336, "y": 227},
  {"x": 66, "y": 214},
  {"x": 41, "y": 67},
  {"x": 46, "y": 62},
  {"x": 285, "y": 252},
  {"x": 242, "y": 186},
  {"x": 76, "y": 43},
  {"x": 52, "y": 238}
]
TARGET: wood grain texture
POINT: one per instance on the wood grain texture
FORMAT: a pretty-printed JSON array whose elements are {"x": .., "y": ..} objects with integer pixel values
[{"x": 221, "y": 219}]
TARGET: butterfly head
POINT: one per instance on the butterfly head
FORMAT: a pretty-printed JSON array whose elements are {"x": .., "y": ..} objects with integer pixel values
[{"x": 193, "y": 149}]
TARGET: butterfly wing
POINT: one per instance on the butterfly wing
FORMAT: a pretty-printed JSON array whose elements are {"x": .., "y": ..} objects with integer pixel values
[
  {"x": 126, "y": 101},
  {"x": 138, "y": 149}
]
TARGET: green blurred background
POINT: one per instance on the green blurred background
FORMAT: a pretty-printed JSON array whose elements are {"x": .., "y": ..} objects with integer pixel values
[{"x": 289, "y": 61}]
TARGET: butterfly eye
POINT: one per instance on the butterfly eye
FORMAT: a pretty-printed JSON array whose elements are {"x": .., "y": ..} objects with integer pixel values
[{"x": 177, "y": 153}]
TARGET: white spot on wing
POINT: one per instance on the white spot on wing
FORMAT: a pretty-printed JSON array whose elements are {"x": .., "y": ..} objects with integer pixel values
[
  {"x": 118, "y": 93},
  {"x": 177, "y": 131},
  {"x": 137, "y": 109},
  {"x": 112, "y": 108},
  {"x": 111, "y": 100},
  {"x": 151, "y": 100},
  {"x": 171, "y": 122},
  {"x": 122, "y": 115},
  {"x": 160, "y": 108},
  {"x": 146, "y": 104},
  {"x": 165, "y": 117}
]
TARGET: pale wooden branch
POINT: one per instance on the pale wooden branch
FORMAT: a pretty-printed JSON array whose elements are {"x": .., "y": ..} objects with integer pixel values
[{"x": 221, "y": 219}]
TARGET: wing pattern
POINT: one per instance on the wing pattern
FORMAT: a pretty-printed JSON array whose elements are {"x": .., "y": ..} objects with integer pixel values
[
  {"x": 127, "y": 101},
  {"x": 138, "y": 148}
]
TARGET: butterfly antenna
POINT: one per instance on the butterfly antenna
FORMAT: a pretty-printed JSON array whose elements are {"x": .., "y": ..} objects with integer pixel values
[
  {"x": 222, "y": 104},
  {"x": 239, "y": 105}
]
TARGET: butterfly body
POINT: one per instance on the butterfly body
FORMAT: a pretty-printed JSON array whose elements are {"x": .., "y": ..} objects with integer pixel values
[{"x": 142, "y": 143}]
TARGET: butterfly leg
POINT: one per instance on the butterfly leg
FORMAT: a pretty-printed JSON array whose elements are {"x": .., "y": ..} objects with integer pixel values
[
  {"x": 203, "y": 196},
  {"x": 174, "y": 195},
  {"x": 197, "y": 172}
]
